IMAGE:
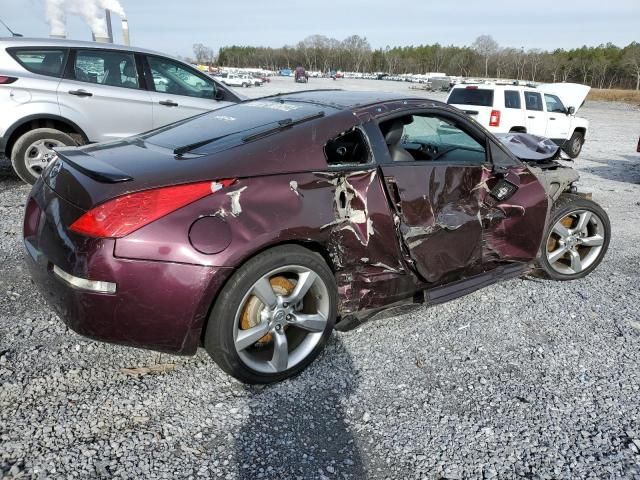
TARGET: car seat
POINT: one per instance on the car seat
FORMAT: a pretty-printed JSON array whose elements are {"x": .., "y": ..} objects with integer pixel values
[{"x": 393, "y": 138}]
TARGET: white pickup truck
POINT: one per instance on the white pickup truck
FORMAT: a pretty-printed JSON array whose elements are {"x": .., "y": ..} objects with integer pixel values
[{"x": 547, "y": 110}]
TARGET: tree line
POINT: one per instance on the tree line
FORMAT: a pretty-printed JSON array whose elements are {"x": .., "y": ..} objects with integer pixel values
[{"x": 604, "y": 66}]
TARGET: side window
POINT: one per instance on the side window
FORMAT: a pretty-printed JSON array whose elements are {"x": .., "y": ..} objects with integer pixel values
[
  {"x": 554, "y": 104},
  {"x": 432, "y": 138},
  {"x": 43, "y": 62},
  {"x": 113, "y": 69},
  {"x": 174, "y": 78},
  {"x": 348, "y": 148},
  {"x": 533, "y": 101},
  {"x": 512, "y": 99}
]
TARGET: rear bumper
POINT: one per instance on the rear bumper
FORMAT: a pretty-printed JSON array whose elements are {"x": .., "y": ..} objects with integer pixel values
[
  {"x": 159, "y": 306},
  {"x": 156, "y": 305}
]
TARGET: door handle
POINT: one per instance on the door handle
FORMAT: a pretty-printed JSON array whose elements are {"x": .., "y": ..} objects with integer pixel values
[
  {"x": 168, "y": 103},
  {"x": 80, "y": 93},
  {"x": 531, "y": 116},
  {"x": 552, "y": 118}
]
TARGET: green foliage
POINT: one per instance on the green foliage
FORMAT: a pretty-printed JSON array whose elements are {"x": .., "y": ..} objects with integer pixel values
[{"x": 604, "y": 66}]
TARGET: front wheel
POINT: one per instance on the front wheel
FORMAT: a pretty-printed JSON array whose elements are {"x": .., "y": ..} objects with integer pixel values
[
  {"x": 577, "y": 239},
  {"x": 574, "y": 145},
  {"x": 33, "y": 151},
  {"x": 274, "y": 316}
]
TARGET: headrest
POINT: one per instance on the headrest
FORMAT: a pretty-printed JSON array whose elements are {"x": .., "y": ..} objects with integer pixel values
[
  {"x": 394, "y": 134},
  {"x": 129, "y": 69}
]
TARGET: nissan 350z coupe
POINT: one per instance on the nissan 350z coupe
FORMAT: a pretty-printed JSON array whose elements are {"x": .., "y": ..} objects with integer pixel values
[{"x": 257, "y": 229}]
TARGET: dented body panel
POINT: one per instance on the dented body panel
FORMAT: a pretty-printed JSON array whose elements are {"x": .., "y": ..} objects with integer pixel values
[{"x": 388, "y": 231}]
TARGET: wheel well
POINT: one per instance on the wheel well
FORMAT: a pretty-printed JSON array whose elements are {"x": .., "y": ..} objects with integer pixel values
[
  {"x": 518, "y": 129},
  {"x": 32, "y": 124},
  {"x": 581, "y": 130},
  {"x": 309, "y": 245}
]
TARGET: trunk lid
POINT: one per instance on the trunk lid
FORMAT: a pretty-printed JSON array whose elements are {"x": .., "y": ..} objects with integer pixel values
[
  {"x": 213, "y": 146},
  {"x": 571, "y": 94}
]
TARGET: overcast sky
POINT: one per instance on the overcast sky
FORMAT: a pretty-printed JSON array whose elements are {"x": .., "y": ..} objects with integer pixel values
[{"x": 173, "y": 26}]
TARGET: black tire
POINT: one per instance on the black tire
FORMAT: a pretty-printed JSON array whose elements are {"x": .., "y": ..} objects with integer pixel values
[
  {"x": 574, "y": 146},
  {"x": 23, "y": 144},
  {"x": 219, "y": 334},
  {"x": 564, "y": 207}
]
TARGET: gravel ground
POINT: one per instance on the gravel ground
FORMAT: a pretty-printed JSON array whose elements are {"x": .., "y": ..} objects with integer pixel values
[{"x": 528, "y": 378}]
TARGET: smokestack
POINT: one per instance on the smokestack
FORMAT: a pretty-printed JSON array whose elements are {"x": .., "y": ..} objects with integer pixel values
[
  {"x": 125, "y": 32},
  {"x": 107, "y": 17}
]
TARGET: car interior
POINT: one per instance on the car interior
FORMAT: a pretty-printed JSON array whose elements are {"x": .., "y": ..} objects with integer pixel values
[
  {"x": 348, "y": 148},
  {"x": 428, "y": 138},
  {"x": 114, "y": 71}
]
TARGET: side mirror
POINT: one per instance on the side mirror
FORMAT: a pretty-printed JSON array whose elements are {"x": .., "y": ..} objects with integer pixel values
[
  {"x": 571, "y": 110},
  {"x": 218, "y": 95}
]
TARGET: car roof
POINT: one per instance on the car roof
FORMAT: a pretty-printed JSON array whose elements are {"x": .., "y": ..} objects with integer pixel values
[
  {"x": 346, "y": 99},
  {"x": 494, "y": 86},
  {"x": 6, "y": 42}
]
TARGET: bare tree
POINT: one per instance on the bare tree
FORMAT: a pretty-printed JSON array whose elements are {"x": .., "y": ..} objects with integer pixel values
[
  {"x": 632, "y": 61},
  {"x": 486, "y": 46},
  {"x": 202, "y": 53}
]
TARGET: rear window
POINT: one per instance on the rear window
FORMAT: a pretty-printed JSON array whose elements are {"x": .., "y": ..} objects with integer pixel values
[
  {"x": 234, "y": 124},
  {"x": 480, "y": 97},
  {"x": 512, "y": 99},
  {"x": 41, "y": 61}
]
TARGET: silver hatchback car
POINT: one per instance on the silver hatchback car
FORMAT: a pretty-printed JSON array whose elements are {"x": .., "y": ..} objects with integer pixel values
[{"x": 60, "y": 92}]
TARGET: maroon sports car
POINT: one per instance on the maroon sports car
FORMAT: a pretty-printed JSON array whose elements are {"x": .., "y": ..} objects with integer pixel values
[{"x": 256, "y": 229}]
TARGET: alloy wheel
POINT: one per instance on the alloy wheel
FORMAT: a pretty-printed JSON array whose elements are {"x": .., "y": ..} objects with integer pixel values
[
  {"x": 281, "y": 319},
  {"x": 575, "y": 242}
]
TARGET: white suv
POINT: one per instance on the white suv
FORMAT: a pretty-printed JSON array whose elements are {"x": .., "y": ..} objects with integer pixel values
[
  {"x": 60, "y": 92},
  {"x": 547, "y": 110}
]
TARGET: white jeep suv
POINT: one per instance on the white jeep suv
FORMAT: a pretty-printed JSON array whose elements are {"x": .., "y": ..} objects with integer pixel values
[
  {"x": 59, "y": 92},
  {"x": 546, "y": 110}
]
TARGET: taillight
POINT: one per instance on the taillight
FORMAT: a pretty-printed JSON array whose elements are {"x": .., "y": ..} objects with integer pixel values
[
  {"x": 122, "y": 215},
  {"x": 4, "y": 80},
  {"x": 494, "y": 120}
]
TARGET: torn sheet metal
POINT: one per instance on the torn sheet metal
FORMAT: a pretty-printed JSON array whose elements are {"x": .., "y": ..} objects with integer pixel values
[
  {"x": 513, "y": 229},
  {"x": 438, "y": 208}
]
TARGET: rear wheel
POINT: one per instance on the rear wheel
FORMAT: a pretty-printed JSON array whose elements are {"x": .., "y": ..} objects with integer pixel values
[
  {"x": 274, "y": 316},
  {"x": 33, "y": 151},
  {"x": 577, "y": 239},
  {"x": 574, "y": 145}
]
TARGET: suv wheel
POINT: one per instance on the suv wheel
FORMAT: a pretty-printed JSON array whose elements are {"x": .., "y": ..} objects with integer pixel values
[
  {"x": 574, "y": 145},
  {"x": 33, "y": 151}
]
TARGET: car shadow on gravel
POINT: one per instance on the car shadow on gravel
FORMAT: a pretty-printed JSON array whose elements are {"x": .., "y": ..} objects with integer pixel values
[
  {"x": 627, "y": 170},
  {"x": 298, "y": 428}
]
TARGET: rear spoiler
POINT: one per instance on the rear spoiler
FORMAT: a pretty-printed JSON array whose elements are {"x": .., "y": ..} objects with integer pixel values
[{"x": 93, "y": 168}]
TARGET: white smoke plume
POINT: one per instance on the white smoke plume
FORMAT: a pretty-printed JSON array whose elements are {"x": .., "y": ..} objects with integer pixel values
[{"x": 92, "y": 11}]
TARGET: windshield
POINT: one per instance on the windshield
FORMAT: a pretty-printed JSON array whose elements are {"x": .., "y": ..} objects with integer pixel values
[{"x": 480, "y": 97}]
